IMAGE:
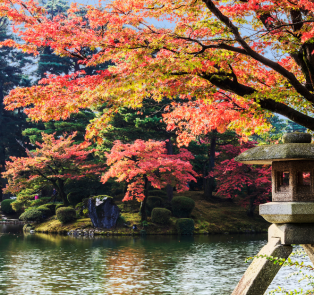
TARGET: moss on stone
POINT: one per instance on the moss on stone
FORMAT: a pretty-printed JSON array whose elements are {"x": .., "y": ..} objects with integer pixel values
[
  {"x": 297, "y": 137},
  {"x": 266, "y": 154}
]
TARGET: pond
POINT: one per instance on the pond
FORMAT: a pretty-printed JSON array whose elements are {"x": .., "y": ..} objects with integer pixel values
[{"x": 54, "y": 264}]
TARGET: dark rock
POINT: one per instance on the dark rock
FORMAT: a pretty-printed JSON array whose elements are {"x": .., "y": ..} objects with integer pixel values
[{"x": 103, "y": 213}]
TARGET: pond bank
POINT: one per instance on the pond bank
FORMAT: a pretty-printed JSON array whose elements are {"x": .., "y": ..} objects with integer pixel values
[{"x": 216, "y": 217}]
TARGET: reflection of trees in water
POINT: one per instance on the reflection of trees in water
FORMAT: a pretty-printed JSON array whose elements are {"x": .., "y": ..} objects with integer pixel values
[{"x": 54, "y": 264}]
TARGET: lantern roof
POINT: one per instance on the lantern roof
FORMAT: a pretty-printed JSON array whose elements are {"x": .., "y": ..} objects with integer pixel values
[{"x": 296, "y": 146}]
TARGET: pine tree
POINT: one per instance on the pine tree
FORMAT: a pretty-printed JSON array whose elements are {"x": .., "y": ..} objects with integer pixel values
[
  {"x": 12, "y": 66},
  {"x": 76, "y": 123},
  {"x": 145, "y": 123}
]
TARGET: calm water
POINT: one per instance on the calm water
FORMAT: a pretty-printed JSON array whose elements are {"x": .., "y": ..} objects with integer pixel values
[{"x": 50, "y": 264}]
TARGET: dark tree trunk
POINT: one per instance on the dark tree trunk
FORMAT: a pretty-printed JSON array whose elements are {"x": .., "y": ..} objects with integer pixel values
[
  {"x": 209, "y": 182},
  {"x": 169, "y": 188},
  {"x": 251, "y": 208},
  {"x": 143, "y": 204},
  {"x": 60, "y": 189}
]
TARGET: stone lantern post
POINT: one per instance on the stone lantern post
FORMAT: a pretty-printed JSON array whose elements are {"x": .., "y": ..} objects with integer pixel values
[{"x": 291, "y": 211}]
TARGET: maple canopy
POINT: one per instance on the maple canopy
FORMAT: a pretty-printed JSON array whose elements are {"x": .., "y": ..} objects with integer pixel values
[
  {"x": 242, "y": 59},
  {"x": 52, "y": 163},
  {"x": 145, "y": 162}
]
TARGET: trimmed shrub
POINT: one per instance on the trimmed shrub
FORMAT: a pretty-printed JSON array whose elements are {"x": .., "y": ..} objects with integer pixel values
[
  {"x": 161, "y": 215},
  {"x": 51, "y": 207},
  {"x": 76, "y": 197},
  {"x": 182, "y": 207},
  {"x": 59, "y": 206},
  {"x": 6, "y": 207},
  {"x": 158, "y": 193},
  {"x": 40, "y": 201},
  {"x": 153, "y": 202},
  {"x": 45, "y": 211},
  {"x": 66, "y": 214},
  {"x": 32, "y": 215},
  {"x": 81, "y": 209},
  {"x": 185, "y": 226},
  {"x": 121, "y": 220}
]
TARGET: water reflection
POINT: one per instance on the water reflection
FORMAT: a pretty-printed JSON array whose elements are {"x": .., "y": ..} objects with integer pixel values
[{"x": 52, "y": 264}]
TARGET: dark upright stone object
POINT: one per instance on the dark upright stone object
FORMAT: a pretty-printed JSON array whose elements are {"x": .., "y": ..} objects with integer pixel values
[{"x": 103, "y": 213}]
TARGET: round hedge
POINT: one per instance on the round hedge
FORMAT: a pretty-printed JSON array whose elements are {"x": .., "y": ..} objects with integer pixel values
[
  {"x": 59, "y": 206},
  {"x": 153, "y": 202},
  {"x": 32, "y": 215},
  {"x": 66, "y": 214},
  {"x": 182, "y": 207},
  {"x": 6, "y": 207},
  {"x": 185, "y": 226},
  {"x": 161, "y": 215},
  {"x": 51, "y": 207},
  {"x": 46, "y": 212}
]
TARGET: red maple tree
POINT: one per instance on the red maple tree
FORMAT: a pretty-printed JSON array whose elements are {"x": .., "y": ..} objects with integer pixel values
[
  {"x": 250, "y": 183},
  {"x": 147, "y": 162},
  {"x": 250, "y": 53},
  {"x": 52, "y": 163}
]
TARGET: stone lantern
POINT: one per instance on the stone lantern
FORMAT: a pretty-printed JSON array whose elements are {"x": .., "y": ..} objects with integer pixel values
[{"x": 291, "y": 211}]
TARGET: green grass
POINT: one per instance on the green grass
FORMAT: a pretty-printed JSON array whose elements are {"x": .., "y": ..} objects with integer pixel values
[{"x": 219, "y": 216}]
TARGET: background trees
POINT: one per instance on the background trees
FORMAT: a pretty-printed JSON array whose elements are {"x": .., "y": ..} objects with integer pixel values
[
  {"x": 148, "y": 162},
  {"x": 13, "y": 68},
  {"x": 53, "y": 163},
  {"x": 208, "y": 56}
]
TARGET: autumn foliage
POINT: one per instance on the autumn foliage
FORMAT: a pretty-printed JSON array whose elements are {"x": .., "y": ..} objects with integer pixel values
[
  {"x": 147, "y": 162},
  {"x": 241, "y": 59},
  {"x": 52, "y": 163},
  {"x": 251, "y": 185},
  {"x": 133, "y": 162}
]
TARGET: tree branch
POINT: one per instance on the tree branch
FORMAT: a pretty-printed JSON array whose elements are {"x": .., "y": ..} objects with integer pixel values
[{"x": 265, "y": 61}]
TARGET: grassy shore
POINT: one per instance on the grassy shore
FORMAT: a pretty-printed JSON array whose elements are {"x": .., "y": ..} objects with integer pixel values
[{"x": 216, "y": 217}]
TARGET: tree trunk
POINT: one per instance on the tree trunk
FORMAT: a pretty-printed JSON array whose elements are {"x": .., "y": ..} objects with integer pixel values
[
  {"x": 209, "y": 182},
  {"x": 61, "y": 192},
  {"x": 251, "y": 208},
  {"x": 169, "y": 188},
  {"x": 143, "y": 204}
]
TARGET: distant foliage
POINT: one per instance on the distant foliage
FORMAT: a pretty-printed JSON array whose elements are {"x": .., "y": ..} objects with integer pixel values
[
  {"x": 161, "y": 215},
  {"x": 6, "y": 206},
  {"x": 182, "y": 206},
  {"x": 185, "y": 226},
  {"x": 66, "y": 214},
  {"x": 53, "y": 163}
]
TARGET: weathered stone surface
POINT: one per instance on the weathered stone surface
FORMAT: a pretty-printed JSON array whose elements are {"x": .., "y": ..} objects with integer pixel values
[
  {"x": 309, "y": 249},
  {"x": 296, "y": 190},
  {"x": 261, "y": 272},
  {"x": 292, "y": 233},
  {"x": 266, "y": 154},
  {"x": 104, "y": 212},
  {"x": 288, "y": 212},
  {"x": 297, "y": 137}
]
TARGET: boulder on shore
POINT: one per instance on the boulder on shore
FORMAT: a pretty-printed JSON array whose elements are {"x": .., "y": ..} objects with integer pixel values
[{"x": 103, "y": 212}]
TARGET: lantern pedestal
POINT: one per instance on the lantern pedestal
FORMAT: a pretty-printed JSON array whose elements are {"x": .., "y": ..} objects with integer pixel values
[
  {"x": 261, "y": 272},
  {"x": 290, "y": 233},
  {"x": 288, "y": 212},
  {"x": 292, "y": 209}
]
